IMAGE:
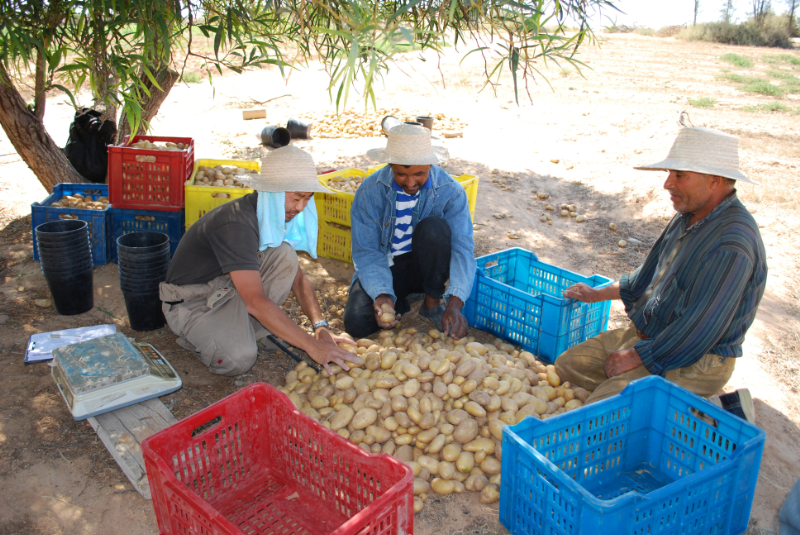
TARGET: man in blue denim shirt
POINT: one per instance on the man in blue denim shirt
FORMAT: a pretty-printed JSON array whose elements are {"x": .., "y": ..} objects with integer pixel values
[{"x": 411, "y": 232}]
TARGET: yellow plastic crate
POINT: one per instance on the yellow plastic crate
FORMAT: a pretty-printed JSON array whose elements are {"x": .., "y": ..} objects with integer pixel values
[
  {"x": 334, "y": 242},
  {"x": 335, "y": 206},
  {"x": 199, "y": 199}
]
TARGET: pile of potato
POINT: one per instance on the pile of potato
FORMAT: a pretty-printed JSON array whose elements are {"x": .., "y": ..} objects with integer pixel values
[
  {"x": 78, "y": 200},
  {"x": 169, "y": 145},
  {"x": 345, "y": 184},
  {"x": 352, "y": 124},
  {"x": 220, "y": 176},
  {"x": 437, "y": 404}
]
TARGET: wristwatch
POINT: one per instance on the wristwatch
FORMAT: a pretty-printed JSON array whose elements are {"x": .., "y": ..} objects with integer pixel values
[{"x": 320, "y": 323}]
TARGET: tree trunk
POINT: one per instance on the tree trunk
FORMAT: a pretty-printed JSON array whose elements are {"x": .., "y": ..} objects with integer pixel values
[
  {"x": 30, "y": 139},
  {"x": 166, "y": 78},
  {"x": 40, "y": 97}
]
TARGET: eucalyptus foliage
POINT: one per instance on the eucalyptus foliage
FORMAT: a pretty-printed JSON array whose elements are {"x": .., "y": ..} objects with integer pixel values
[{"x": 116, "y": 46}]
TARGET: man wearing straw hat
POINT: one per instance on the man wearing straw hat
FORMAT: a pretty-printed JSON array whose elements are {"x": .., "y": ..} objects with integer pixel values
[
  {"x": 235, "y": 266},
  {"x": 692, "y": 300},
  {"x": 411, "y": 232}
]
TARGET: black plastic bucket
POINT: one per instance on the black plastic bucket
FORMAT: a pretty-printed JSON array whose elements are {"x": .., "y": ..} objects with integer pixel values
[
  {"x": 80, "y": 248},
  {"x": 57, "y": 231},
  {"x": 144, "y": 312},
  {"x": 413, "y": 123},
  {"x": 151, "y": 258},
  {"x": 425, "y": 121},
  {"x": 275, "y": 136},
  {"x": 142, "y": 243},
  {"x": 54, "y": 267},
  {"x": 72, "y": 293},
  {"x": 299, "y": 129}
]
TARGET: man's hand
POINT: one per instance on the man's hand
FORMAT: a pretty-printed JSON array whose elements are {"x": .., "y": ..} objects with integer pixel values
[
  {"x": 324, "y": 335},
  {"x": 621, "y": 361},
  {"x": 376, "y": 305},
  {"x": 586, "y": 294},
  {"x": 583, "y": 293},
  {"x": 454, "y": 323},
  {"x": 325, "y": 353}
]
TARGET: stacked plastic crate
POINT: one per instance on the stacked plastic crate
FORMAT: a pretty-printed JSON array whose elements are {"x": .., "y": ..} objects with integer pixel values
[{"x": 146, "y": 187}]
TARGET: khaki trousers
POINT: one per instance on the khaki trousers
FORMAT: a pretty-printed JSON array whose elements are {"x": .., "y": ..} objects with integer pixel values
[
  {"x": 213, "y": 322},
  {"x": 583, "y": 365}
]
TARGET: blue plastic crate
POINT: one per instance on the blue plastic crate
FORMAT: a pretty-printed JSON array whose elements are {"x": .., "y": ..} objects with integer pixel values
[
  {"x": 642, "y": 462},
  {"x": 125, "y": 221},
  {"x": 98, "y": 220},
  {"x": 518, "y": 298}
]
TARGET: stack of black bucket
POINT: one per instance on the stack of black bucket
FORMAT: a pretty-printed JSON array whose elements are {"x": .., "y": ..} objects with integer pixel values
[{"x": 143, "y": 264}]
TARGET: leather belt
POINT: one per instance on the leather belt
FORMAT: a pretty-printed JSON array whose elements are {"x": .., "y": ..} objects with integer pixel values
[{"x": 641, "y": 335}]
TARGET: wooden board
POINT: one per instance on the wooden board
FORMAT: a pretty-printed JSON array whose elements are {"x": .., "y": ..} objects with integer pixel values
[{"x": 122, "y": 432}]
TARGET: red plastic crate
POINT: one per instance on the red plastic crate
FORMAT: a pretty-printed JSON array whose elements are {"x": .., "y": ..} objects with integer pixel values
[
  {"x": 253, "y": 464},
  {"x": 149, "y": 185}
]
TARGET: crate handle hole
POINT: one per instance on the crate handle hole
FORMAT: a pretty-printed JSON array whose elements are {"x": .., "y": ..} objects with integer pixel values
[
  {"x": 704, "y": 417},
  {"x": 206, "y": 426},
  {"x": 491, "y": 264}
]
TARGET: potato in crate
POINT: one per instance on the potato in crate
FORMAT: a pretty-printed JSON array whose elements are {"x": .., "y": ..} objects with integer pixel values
[
  {"x": 519, "y": 298},
  {"x": 254, "y": 464},
  {"x": 87, "y": 202},
  {"x": 655, "y": 459}
]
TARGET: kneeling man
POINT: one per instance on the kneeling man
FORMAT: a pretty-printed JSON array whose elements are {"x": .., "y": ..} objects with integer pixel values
[
  {"x": 235, "y": 266},
  {"x": 411, "y": 232},
  {"x": 692, "y": 300}
]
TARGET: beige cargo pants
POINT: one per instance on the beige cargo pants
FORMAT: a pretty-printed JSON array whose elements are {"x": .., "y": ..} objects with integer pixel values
[
  {"x": 583, "y": 365},
  {"x": 212, "y": 321}
]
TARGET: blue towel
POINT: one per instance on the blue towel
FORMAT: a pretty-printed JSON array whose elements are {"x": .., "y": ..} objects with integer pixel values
[{"x": 301, "y": 232}]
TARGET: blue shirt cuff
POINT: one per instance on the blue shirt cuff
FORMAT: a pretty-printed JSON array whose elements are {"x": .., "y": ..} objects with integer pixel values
[
  {"x": 645, "y": 350},
  {"x": 458, "y": 292}
]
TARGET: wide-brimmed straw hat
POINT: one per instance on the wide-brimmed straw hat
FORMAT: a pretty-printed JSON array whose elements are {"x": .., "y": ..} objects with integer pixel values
[
  {"x": 285, "y": 169},
  {"x": 703, "y": 150},
  {"x": 409, "y": 144}
]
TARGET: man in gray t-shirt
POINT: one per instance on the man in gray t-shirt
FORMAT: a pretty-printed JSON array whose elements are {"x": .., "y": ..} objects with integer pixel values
[{"x": 234, "y": 268}]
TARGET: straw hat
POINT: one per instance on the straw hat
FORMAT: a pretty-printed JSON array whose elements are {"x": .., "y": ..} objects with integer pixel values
[
  {"x": 285, "y": 169},
  {"x": 409, "y": 144},
  {"x": 703, "y": 150}
]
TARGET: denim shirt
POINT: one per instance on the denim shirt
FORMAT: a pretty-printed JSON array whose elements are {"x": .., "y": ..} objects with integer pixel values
[{"x": 373, "y": 222}]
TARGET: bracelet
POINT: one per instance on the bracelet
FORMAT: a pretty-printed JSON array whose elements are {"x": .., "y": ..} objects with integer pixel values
[{"x": 321, "y": 323}]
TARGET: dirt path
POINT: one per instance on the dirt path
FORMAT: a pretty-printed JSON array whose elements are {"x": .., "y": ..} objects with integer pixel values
[{"x": 579, "y": 144}]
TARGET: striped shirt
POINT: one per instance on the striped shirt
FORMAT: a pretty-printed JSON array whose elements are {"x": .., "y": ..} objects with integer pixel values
[
  {"x": 403, "y": 225},
  {"x": 698, "y": 289}
]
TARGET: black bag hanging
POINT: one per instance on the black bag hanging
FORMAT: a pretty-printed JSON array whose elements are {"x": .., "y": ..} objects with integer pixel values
[{"x": 87, "y": 147}]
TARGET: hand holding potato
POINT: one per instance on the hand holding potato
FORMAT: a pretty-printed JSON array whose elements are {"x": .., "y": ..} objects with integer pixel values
[{"x": 385, "y": 315}]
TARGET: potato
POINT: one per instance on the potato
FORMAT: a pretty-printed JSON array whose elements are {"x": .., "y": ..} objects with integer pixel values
[
  {"x": 476, "y": 482},
  {"x": 410, "y": 388},
  {"x": 465, "y": 462},
  {"x": 418, "y": 504},
  {"x": 365, "y": 417},
  {"x": 496, "y": 428},
  {"x": 388, "y": 317},
  {"x": 436, "y": 444},
  {"x": 580, "y": 393},
  {"x": 552, "y": 376},
  {"x": 573, "y": 404},
  {"x": 490, "y": 493},
  {"x": 430, "y": 463},
  {"x": 421, "y": 486},
  {"x": 465, "y": 431},
  {"x": 473, "y": 408},
  {"x": 490, "y": 466},
  {"x": 442, "y": 486},
  {"x": 446, "y": 470},
  {"x": 451, "y": 452}
]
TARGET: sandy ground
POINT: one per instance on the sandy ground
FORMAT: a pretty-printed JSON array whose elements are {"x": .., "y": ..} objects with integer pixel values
[{"x": 57, "y": 476}]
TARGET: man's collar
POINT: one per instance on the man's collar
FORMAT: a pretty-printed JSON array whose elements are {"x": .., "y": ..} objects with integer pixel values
[{"x": 721, "y": 207}]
